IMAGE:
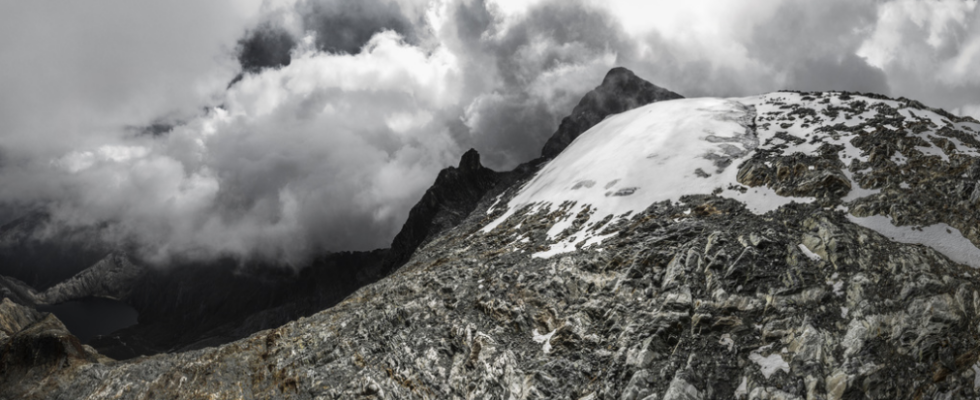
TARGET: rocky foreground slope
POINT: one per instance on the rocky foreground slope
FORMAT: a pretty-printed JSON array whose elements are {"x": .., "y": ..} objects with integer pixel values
[{"x": 781, "y": 246}]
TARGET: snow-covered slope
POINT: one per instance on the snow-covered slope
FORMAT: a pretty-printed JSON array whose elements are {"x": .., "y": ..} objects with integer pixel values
[{"x": 669, "y": 149}]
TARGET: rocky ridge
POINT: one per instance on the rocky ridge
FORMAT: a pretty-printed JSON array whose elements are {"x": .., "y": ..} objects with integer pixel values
[{"x": 767, "y": 279}]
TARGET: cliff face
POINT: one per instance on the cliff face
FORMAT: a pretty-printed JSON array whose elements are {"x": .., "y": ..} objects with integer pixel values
[
  {"x": 781, "y": 246},
  {"x": 35, "y": 345}
]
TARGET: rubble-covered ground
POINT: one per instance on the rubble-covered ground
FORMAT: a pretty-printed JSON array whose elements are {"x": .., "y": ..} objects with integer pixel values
[{"x": 712, "y": 294}]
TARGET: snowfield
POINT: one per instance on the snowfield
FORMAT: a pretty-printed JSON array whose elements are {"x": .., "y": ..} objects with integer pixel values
[{"x": 669, "y": 149}]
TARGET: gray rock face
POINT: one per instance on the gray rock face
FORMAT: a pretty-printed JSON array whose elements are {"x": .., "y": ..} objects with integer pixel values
[
  {"x": 698, "y": 297},
  {"x": 113, "y": 277},
  {"x": 14, "y": 318},
  {"x": 34, "y": 345},
  {"x": 621, "y": 90}
]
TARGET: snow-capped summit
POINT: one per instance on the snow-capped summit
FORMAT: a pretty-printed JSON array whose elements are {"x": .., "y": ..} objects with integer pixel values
[{"x": 764, "y": 151}]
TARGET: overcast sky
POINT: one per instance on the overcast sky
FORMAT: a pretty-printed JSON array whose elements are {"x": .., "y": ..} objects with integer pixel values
[{"x": 281, "y": 128}]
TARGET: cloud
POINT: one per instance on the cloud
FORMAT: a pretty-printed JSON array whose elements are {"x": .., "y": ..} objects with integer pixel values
[
  {"x": 928, "y": 51},
  {"x": 344, "y": 112},
  {"x": 325, "y": 154},
  {"x": 345, "y": 26},
  {"x": 267, "y": 46}
]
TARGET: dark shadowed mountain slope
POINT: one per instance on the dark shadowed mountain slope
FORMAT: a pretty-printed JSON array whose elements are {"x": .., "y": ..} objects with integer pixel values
[
  {"x": 42, "y": 258},
  {"x": 193, "y": 306},
  {"x": 451, "y": 198}
]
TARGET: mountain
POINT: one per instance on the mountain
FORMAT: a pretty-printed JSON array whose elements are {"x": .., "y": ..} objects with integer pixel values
[{"x": 781, "y": 246}]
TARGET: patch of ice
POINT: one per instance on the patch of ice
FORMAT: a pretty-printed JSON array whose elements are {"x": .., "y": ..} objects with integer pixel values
[
  {"x": 598, "y": 239},
  {"x": 569, "y": 245},
  {"x": 941, "y": 237},
  {"x": 898, "y": 158},
  {"x": 726, "y": 340},
  {"x": 963, "y": 148},
  {"x": 546, "y": 339},
  {"x": 494, "y": 205},
  {"x": 809, "y": 254},
  {"x": 857, "y": 191},
  {"x": 742, "y": 389},
  {"x": 769, "y": 365},
  {"x": 936, "y": 119},
  {"x": 933, "y": 151},
  {"x": 838, "y": 288},
  {"x": 761, "y": 199},
  {"x": 647, "y": 155},
  {"x": 654, "y": 149},
  {"x": 555, "y": 249}
]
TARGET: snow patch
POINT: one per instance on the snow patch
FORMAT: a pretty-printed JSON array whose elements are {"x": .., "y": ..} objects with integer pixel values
[
  {"x": 555, "y": 249},
  {"x": 809, "y": 254},
  {"x": 546, "y": 339},
  {"x": 645, "y": 155},
  {"x": 761, "y": 199},
  {"x": 726, "y": 340},
  {"x": 742, "y": 389},
  {"x": 654, "y": 153},
  {"x": 769, "y": 365},
  {"x": 941, "y": 237}
]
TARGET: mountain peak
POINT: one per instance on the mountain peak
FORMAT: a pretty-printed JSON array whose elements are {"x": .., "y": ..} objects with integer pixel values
[
  {"x": 619, "y": 75},
  {"x": 621, "y": 90},
  {"x": 470, "y": 161}
]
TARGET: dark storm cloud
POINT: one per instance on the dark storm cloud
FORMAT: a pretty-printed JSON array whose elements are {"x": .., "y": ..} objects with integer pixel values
[
  {"x": 346, "y": 26},
  {"x": 814, "y": 44},
  {"x": 267, "y": 46}
]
